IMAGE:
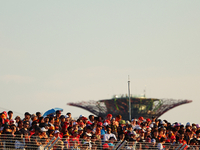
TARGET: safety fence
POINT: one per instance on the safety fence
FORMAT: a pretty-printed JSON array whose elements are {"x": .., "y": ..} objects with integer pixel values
[{"x": 9, "y": 141}]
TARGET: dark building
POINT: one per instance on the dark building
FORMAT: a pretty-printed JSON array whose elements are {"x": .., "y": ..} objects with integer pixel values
[{"x": 140, "y": 106}]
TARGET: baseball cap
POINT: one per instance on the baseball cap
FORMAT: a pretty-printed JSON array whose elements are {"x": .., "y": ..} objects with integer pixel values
[
  {"x": 133, "y": 120},
  {"x": 43, "y": 129},
  {"x": 177, "y": 125},
  {"x": 90, "y": 123},
  {"x": 148, "y": 120},
  {"x": 81, "y": 116},
  {"x": 109, "y": 115},
  {"x": 105, "y": 146},
  {"x": 162, "y": 122},
  {"x": 57, "y": 131},
  {"x": 105, "y": 124},
  {"x": 194, "y": 127},
  {"x": 84, "y": 118},
  {"x": 110, "y": 144},
  {"x": 188, "y": 124},
  {"x": 141, "y": 118},
  {"x": 122, "y": 122}
]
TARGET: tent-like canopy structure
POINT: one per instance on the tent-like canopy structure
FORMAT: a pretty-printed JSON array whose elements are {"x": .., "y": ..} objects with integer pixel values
[{"x": 140, "y": 106}]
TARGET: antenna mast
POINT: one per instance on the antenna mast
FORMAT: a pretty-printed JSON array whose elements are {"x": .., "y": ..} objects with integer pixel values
[{"x": 129, "y": 98}]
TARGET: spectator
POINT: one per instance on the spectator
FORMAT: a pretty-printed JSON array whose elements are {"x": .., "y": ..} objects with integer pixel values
[
  {"x": 10, "y": 115},
  {"x": 51, "y": 121},
  {"x": 160, "y": 144},
  {"x": 35, "y": 141},
  {"x": 27, "y": 117},
  {"x": 91, "y": 118},
  {"x": 25, "y": 129},
  {"x": 181, "y": 139},
  {"x": 58, "y": 114},
  {"x": 109, "y": 134},
  {"x": 38, "y": 114},
  {"x": 89, "y": 134},
  {"x": 46, "y": 120},
  {"x": 70, "y": 116}
]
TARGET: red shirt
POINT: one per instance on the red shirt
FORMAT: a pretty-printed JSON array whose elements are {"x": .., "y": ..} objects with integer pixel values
[{"x": 182, "y": 141}]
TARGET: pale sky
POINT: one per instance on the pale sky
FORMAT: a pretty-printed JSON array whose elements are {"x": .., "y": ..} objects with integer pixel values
[{"x": 55, "y": 52}]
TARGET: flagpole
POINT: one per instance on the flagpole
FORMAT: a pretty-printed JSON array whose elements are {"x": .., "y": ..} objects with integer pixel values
[{"x": 129, "y": 98}]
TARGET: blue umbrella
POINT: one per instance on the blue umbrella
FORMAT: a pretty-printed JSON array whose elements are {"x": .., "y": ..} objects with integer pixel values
[{"x": 52, "y": 111}]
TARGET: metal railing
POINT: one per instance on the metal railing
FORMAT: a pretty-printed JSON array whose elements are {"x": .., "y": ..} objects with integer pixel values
[{"x": 8, "y": 141}]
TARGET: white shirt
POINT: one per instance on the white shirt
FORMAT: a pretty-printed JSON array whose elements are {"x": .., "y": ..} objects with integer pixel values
[
  {"x": 108, "y": 136},
  {"x": 160, "y": 146}
]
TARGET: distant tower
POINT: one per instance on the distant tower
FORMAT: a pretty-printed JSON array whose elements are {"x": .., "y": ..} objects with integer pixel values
[{"x": 145, "y": 91}]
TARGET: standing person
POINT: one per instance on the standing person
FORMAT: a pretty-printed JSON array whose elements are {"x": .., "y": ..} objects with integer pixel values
[
  {"x": 108, "y": 135},
  {"x": 173, "y": 140},
  {"x": 181, "y": 138},
  {"x": 51, "y": 121},
  {"x": 62, "y": 120},
  {"x": 108, "y": 118},
  {"x": 41, "y": 122},
  {"x": 27, "y": 117},
  {"x": 133, "y": 123},
  {"x": 91, "y": 118},
  {"x": 58, "y": 114},
  {"x": 25, "y": 129},
  {"x": 10, "y": 115},
  {"x": 160, "y": 144},
  {"x": 17, "y": 119},
  {"x": 104, "y": 130},
  {"x": 38, "y": 114},
  {"x": 46, "y": 120},
  {"x": 118, "y": 119},
  {"x": 70, "y": 116},
  {"x": 35, "y": 141},
  {"x": 33, "y": 118},
  {"x": 19, "y": 127},
  {"x": 114, "y": 127},
  {"x": 155, "y": 135},
  {"x": 26, "y": 133}
]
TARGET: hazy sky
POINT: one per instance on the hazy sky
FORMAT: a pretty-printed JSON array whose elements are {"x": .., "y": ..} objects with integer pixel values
[{"x": 55, "y": 52}]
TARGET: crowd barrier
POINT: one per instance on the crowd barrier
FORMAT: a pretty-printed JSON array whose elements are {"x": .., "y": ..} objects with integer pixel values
[{"x": 35, "y": 143}]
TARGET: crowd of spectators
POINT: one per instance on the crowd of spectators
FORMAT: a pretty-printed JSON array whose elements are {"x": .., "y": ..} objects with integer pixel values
[{"x": 93, "y": 132}]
